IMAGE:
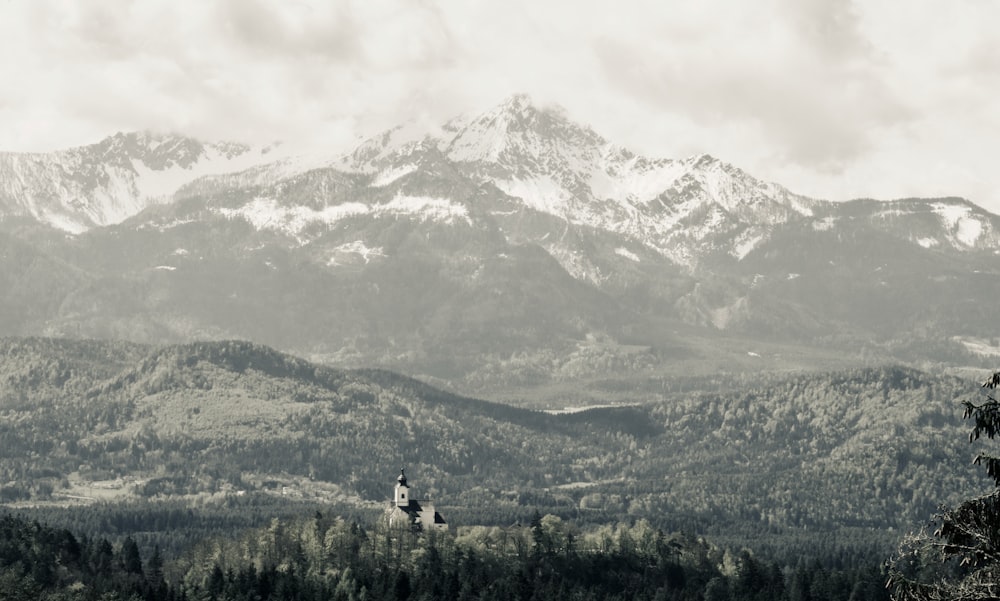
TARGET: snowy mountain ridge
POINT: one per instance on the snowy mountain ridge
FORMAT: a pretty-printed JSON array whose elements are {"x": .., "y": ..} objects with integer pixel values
[
  {"x": 449, "y": 249},
  {"x": 554, "y": 166},
  {"x": 268, "y": 213},
  {"x": 682, "y": 209},
  {"x": 116, "y": 178},
  {"x": 536, "y": 157}
]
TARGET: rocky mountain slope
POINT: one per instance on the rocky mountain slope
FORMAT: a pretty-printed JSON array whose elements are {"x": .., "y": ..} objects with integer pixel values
[
  {"x": 512, "y": 246},
  {"x": 107, "y": 182}
]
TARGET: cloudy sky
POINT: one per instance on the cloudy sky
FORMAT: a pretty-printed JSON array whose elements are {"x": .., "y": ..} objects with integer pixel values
[{"x": 832, "y": 98}]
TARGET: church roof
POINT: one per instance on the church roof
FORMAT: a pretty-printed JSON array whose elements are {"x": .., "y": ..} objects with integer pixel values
[{"x": 416, "y": 510}]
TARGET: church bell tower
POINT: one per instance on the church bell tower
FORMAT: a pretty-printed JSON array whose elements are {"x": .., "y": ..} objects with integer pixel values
[{"x": 402, "y": 491}]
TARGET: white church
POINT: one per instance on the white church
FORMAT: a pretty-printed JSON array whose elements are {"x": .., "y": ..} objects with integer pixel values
[{"x": 417, "y": 513}]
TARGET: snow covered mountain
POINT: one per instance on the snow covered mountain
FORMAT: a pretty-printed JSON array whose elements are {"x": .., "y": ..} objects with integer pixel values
[
  {"x": 513, "y": 241},
  {"x": 112, "y": 180},
  {"x": 554, "y": 166},
  {"x": 682, "y": 209},
  {"x": 688, "y": 211}
]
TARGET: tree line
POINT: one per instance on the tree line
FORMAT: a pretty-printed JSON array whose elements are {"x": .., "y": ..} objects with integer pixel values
[{"x": 329, "y": 557}]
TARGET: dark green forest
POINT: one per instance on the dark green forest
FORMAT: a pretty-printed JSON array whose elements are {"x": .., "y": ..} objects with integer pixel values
[
  {"x": 333, "y": 558},
  {"x": 768, "y": 486}
]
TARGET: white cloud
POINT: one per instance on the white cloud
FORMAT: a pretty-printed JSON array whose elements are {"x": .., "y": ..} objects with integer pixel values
[
  {"x": 831, "y": 98},
  {"x": 801, "y": 79}
]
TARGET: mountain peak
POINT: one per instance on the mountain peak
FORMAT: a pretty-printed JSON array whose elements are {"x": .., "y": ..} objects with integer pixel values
[
  {"x": 520, "y": 111},
  {"x": 158, "y": 150},
  {"x": 518, "y": 131},
  {"x": 702, "y": 160},
  {"x": 113, "y": 179},
  {"x": 141, "y": 138},
  {"x": 517, "y": 99},
  {"x": 517, "y": 104}
]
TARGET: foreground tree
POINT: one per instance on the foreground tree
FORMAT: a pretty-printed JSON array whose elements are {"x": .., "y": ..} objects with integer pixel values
[{"x": 957, "y": 557}]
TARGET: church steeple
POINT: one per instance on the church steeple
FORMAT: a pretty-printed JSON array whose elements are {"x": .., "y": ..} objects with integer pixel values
[{"x": 402, "y": 490}]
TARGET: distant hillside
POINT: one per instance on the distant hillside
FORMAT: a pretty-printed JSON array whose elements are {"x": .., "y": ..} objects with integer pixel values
[{"x": 872, "y": 448}]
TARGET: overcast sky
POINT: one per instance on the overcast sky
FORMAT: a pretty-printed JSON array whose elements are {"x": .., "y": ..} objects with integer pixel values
[{"x": 831, "y": 98}]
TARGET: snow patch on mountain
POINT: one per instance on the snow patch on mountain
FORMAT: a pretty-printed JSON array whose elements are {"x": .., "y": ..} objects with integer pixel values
[
  {"x": 161, "y": 184},
  {"x": 824, "y": 224},
  {"x": 745, "y": 244},
  {"x": 624, "y": 252},
  {"x": 635, "y": 179},
  {"x": 269, "y": 214},
  {"x": 356, "y": 248},
  {"x": 798, "y": 205},
  {"x": 468, "y": 148},
  {"x": 540, "y": 193},
  {"x": 387, "y": 176},
  {"x": 163, "y": 226},
  {"x": 950, "y": 213},
  {"x": 575, "y": 263},
  {"x": 426, "y": 208},
  {"x": 969, "y": 231},
  {"x": 398, "y": 141},
  {"x": 59, "y": 221},
  {"x": 706, "y": 227},
  {"x": 959, "y": 222}
]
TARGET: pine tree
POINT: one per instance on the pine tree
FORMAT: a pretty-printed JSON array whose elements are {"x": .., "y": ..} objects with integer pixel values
[
  {"x": 130, "y": 558},
  {"x": 960, "y": 558}
]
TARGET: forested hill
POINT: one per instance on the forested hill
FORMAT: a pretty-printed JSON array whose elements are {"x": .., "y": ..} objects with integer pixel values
[
  {"x": 873, "y": 448},
  {"x": 34, "y": 370},
  {"x": 207, "y": 417}
]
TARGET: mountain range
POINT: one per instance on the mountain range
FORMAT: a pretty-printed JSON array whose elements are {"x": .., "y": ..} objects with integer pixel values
[{"x": 509, "y": 248}]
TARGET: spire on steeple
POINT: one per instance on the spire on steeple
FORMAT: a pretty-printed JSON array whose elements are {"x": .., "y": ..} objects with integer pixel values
[{"x": 402, "y": 477}]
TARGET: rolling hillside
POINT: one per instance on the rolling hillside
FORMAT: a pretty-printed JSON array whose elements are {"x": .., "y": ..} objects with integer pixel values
[{"x": 872, "y": 448}]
